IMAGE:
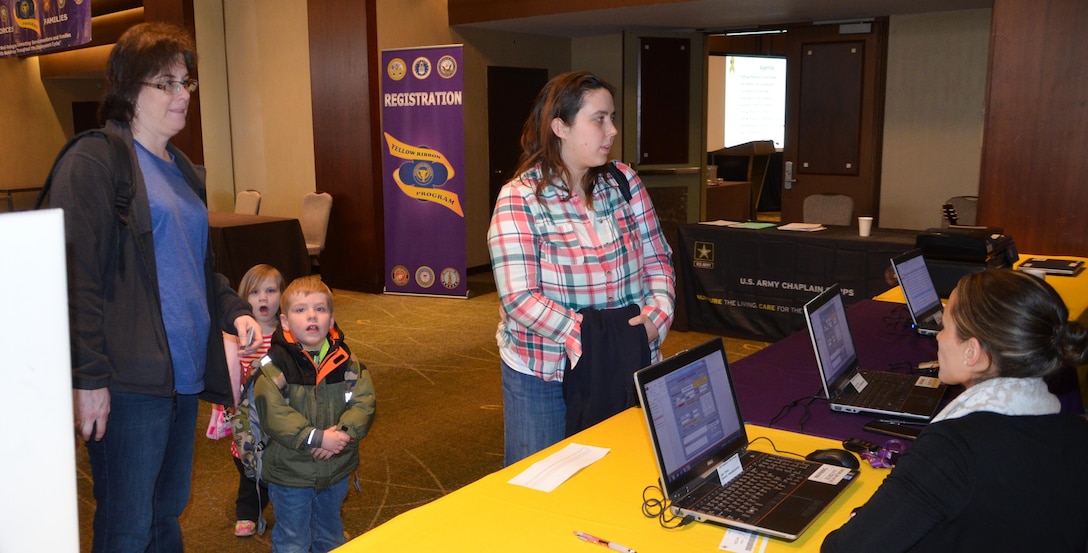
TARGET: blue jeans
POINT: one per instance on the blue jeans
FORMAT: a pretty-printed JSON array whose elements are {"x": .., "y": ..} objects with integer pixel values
[
  {"x": 308, "y": 519},
  {"x": 142, "y": 470},
  {"x": 534, "y": 414}
]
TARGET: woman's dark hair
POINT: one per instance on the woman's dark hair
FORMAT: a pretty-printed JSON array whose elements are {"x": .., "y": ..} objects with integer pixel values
[
  {"x": 142, "y": 52},
  {"x": 562, "y": 97},
  {"x": 1020, "y": 321}
]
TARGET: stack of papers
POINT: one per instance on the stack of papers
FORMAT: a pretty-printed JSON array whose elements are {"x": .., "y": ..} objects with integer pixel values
[
  {"x": 738, "y": 224},
  {"x": 803, "y": 227}
]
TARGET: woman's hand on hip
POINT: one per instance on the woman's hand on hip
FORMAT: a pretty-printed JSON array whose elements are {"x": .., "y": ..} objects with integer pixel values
[{"x": 651, "y": 330}]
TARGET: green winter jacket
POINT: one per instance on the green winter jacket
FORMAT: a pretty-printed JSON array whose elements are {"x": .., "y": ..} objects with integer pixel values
[{"x": 295, "y": 423}]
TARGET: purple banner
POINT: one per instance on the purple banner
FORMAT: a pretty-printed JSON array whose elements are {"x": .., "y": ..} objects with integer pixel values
[
  {"x": 423, "y": 163},
  {"x": 30, "y": 27}
]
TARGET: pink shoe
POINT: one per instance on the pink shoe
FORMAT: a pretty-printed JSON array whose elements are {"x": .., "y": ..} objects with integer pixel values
[{"x": 245, "y": 528}]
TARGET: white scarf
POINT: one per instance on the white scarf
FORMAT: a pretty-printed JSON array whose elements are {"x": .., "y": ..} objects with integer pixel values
[{"x": 1004, "y": 396}]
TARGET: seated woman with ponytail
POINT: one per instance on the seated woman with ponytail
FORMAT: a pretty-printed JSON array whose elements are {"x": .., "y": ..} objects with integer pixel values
[{"x": 999, "y": 469}]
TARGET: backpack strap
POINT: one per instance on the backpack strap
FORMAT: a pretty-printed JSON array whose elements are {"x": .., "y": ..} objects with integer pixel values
[
  {"x": 621, "y": 180},
  {"x": 123, "y": 188},
  {"x": 275, "y": 376},
  {"x": 351, "y": 376},
  {"x": 121, "y": 160}
]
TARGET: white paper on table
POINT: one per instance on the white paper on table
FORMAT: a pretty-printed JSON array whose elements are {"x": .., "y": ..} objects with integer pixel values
[
  {"x": 720, "y": 223},
  {"x": 548, "y": 473},
  {"x": 739, "y": 541},
  {"x": 804, "y": 227}
]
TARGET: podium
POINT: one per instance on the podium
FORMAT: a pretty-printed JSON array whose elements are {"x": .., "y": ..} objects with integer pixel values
[
  {"x": 754, "y": 158},
  {"x": 729, "y": 200}
]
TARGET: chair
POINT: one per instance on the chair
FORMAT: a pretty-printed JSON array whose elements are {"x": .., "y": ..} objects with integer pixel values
[
  {"x": 828, "y": 209},
  {"x": 964, "y": 211},
  {"x": 248, "y": 202},
  {"x": 316, "y": 208}
]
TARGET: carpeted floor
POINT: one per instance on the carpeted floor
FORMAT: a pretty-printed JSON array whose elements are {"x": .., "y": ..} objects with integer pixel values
[{"x": 439, "y": 421}]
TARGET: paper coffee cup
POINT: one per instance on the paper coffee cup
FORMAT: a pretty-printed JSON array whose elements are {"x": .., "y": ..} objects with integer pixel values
[{"x": 865, "y": 226}]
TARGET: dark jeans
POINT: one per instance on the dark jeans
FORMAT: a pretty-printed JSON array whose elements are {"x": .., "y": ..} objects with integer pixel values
[{"x": 142, "y": 472}]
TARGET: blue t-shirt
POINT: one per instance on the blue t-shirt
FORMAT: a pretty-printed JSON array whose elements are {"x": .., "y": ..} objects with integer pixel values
[{"x": 180, "y": 229}]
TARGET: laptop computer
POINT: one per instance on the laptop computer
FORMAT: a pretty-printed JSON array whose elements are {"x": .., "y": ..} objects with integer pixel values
[
  {"x": 701, "y": 447},
  {"x": 926, "y": 309},
  {"x": 847, "y": 387}
]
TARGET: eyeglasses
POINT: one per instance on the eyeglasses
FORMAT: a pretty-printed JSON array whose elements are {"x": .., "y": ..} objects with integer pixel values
[{"x": 174, "y": 87}]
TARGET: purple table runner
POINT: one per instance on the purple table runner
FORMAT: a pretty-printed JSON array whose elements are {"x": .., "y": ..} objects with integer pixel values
[{"x": 785, "y": 372}]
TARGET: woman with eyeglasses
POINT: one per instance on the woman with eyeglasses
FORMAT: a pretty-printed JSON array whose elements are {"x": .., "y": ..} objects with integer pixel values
[
  {"x": 999, "y": 468},
  {"x": 146, "y": 310}
]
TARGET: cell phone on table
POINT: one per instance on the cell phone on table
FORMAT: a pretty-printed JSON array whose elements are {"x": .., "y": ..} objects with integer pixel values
[{"x": 899, "y": 429}]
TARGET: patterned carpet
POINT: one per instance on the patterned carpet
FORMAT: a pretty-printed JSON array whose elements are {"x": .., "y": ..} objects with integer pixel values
[{"x": 435, "y": 367}]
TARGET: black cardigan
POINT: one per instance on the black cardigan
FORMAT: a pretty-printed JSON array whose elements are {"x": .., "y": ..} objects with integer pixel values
[
  {"x": 601, "y": 384},
  {"x": 983, "y": 482}
]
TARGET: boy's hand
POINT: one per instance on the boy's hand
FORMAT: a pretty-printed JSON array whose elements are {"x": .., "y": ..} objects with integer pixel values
[{"x": 334, "y": 440}]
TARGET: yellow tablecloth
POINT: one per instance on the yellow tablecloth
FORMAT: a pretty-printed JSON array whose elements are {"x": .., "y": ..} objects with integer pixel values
[{"x": 604, "y": 499}]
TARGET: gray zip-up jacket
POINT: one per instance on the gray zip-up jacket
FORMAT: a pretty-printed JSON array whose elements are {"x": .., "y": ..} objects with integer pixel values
[{"x": 117, "y": 332}]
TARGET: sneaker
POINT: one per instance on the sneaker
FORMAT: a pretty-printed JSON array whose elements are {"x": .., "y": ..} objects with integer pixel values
[{"x": 245, "y": 528}]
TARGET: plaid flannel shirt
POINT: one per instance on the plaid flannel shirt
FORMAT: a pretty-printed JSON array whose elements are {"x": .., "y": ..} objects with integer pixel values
[{"x": 551, "y": 259}]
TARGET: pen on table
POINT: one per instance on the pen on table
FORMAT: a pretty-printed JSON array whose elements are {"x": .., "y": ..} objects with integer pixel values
[{"x": 609, "y": 544}]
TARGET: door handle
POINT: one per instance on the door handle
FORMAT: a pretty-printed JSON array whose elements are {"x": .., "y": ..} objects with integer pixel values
[{"x": 788, "y": 180}]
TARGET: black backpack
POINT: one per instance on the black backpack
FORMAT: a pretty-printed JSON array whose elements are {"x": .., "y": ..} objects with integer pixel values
[
  {"x": 124, "y": 189},
  {"x": 621, "y": 180}
]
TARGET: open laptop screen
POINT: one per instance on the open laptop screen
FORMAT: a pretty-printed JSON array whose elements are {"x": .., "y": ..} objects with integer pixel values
[
  {"x": 917, "y": 285},
  {"x": 695, "y": 418},
  {"x": 831, "y": 337}
]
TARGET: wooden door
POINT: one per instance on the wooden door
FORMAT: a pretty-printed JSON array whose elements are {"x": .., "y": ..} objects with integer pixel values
[
  {"x": 510, "y": 95},
  {"x": 834, "y": 115}
]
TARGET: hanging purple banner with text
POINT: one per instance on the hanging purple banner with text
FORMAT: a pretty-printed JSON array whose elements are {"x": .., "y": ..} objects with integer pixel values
[
  {"x": 30, "y": 27},
  {"x": 423, "y": 163}
]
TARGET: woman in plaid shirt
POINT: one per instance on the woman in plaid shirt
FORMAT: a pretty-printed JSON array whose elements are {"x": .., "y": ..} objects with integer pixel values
[{"x": 563, "y": 238}]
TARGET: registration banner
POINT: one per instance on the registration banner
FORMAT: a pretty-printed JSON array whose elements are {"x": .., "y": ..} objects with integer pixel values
[
  {"x": 30, "y": 27},
  {"x": 423, "y": 160}
]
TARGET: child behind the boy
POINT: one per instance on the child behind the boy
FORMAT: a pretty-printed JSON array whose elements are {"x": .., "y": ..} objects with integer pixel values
[
  {"x": 261, "y": 286},
  {"x": 315, "y": 426}
]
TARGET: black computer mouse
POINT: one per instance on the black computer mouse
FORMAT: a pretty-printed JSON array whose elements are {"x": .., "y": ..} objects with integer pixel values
[{"x": 838, "y": 457}]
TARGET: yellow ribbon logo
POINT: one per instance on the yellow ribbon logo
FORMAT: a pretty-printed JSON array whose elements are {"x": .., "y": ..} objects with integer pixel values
[{"x": 413, "y": 153}]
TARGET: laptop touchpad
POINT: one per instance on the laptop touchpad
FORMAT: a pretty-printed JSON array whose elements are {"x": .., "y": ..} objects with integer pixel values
[{"x": 800, "y": 506}]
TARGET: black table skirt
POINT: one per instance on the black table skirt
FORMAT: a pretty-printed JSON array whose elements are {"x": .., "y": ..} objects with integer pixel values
[
  {"x": 241, "y": 241},
  {"x": 752, "y": 284}
]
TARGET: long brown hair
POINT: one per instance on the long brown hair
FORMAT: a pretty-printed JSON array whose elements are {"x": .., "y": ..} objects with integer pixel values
[{"x": 562, "y": 97}]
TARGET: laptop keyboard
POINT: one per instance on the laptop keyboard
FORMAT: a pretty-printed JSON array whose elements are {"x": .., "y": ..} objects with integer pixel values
[
  {"x": 885, "y": 391},
  {"x": 762, "y": 485}
]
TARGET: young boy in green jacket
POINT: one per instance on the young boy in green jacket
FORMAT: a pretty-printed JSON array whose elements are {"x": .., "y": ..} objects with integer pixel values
[{"x": 314, "y": 422}]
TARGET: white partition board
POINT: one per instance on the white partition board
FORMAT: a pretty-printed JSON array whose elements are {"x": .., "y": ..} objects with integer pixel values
[{"x": 38, "y": 510}]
